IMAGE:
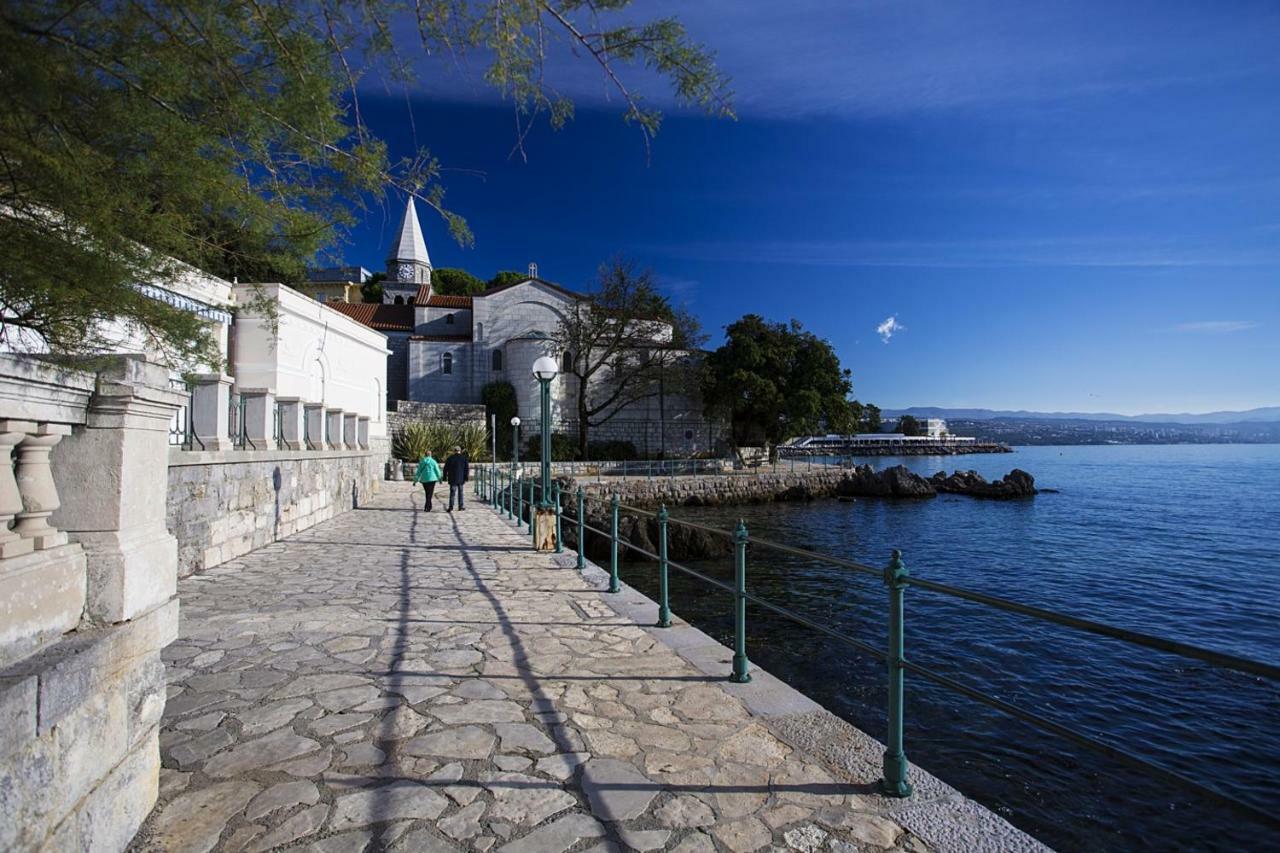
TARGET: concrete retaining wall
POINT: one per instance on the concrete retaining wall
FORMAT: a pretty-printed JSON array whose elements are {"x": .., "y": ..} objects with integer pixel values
[{"x": 223, "y": 505}]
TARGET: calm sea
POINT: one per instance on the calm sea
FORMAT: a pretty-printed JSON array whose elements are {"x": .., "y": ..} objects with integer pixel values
[{"x": 1178, "y": 541}]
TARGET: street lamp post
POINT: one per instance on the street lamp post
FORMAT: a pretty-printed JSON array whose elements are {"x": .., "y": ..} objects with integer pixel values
[{"x": 544, "y": 370}]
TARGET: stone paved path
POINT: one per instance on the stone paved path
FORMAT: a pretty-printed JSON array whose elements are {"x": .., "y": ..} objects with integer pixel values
[{"x": 394, "y": 679}]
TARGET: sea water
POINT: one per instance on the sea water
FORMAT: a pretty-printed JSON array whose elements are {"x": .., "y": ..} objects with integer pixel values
[{"x": 1178, "y": 541}]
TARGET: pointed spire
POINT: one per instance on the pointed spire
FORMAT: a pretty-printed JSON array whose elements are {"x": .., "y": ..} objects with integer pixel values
[{"x": 409, "y": 245}]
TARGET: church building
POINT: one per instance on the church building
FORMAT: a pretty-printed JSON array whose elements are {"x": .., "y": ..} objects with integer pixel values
[{"x": 446, "y": 348}]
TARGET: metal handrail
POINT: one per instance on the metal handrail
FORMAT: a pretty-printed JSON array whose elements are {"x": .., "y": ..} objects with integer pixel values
[{"x": 897, "y": 579}]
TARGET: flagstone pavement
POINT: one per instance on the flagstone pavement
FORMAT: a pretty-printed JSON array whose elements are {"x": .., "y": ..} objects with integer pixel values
[{"x": 400, "y": 680}]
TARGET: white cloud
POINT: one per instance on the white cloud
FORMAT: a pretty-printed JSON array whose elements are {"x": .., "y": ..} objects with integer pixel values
[
  {"x": 1216, "y": 327},
  {"x": 889, "y": 328}
]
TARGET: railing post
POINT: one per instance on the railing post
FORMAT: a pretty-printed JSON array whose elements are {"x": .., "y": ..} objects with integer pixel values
[
  {"x": 894, "y": 783},
  {"x": 518, "y": 485},
  {"x": 582, "y": 530},
  {"x": 664, "y": 610},
  {"x": 555, "y": 494},
  {"x": 510, "y": 489},
  {"x": 741, "y": 666},
  {"x": 614, "y": 586},
  {"x": 533, "y": 515}
]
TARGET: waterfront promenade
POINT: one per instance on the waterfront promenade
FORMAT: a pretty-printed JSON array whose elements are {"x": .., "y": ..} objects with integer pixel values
[{"x": 392, "y": 679}]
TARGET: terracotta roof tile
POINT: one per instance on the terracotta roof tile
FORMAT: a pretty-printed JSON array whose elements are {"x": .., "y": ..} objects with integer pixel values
[
  {"x": 441, "y": 300},
  {"x": 384, "y": 318}
]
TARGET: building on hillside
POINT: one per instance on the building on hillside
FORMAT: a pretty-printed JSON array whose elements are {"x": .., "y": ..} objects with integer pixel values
[
  {"x": 445, "y": 349},
  {"x": 336, "y": 284}
]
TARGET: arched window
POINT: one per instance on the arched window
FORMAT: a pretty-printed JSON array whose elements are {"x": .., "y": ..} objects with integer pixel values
[
  {"x": 566, "y": 362},
  {"x": 446, "y": 363},
  {"x": 479, "y": 331},
  {"x": 448, "y": 319},
  {"x": 497, "y": 359},
  {"x": 399, "y": 300}
]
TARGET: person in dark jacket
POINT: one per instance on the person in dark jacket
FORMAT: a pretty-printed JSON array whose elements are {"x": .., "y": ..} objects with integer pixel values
[{"x": 457, "y": 469}]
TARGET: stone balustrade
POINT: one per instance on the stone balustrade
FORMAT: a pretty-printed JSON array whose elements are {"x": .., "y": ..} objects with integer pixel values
[
  {"x": 255, "y": 419},
  {"x": 88, "y": 574}
]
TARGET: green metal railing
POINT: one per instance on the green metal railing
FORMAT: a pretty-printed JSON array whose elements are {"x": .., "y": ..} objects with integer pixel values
[{"x": 897, "y": 580}]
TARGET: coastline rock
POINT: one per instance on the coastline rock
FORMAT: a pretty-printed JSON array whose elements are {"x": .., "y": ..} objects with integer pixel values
[
  {"x": 895, "y": 482},
  {"x": 1016, "y": 484}
]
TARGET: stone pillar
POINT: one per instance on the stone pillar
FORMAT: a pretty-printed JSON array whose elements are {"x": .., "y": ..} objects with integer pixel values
[
  {"x": 114, "y": 478},
  {"x": 259, "y": 418},
  {"x": 291, "y": 424},
  {"x": 362, "y": 432},
  {"x": 314, "y": 435},
  {"x": 39, "y": 493},
  {"x": 333, "y": 432},
  {"x": 349, "y": 430},
  {"x": 11, "y": 543},
  {"x": 211, "y": 412}
]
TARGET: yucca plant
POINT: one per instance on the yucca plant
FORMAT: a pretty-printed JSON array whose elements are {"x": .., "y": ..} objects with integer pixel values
[
  {"x": 473, "y": 438},
  {"x": 413, "y": 441}
]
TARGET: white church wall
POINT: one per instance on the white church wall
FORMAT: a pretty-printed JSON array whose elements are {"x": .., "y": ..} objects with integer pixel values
[
  {"x": 437, "y": 322},
  {"x": 428, "y": 381},
  {"x": 318, "y": 354}
]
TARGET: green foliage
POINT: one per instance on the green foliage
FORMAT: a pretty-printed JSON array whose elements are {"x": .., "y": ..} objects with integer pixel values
[
  {"x": 227, "y": 134},
  {"x": 864, "y": 417},
  {"x": 908, "y": 425},
  {"x": 440, "y": 437},
  {"x": 564, "y": 448},
  {"x": 371, "y": 290},
  {"x": 499, "y": 400},
  {"x": 455, "y": 282},
  {"x": 504, "y": 278},
  {"x": 613, "y": 450},
  {"x": 414, "y": 441},
  {"x": 775, "y": 381}
]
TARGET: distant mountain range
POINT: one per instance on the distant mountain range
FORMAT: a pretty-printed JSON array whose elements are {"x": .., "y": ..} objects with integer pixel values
[{"x": 1266, "y": 414}]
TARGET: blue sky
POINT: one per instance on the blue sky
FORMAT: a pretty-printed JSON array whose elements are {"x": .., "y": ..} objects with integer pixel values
[{"x": 1061, "y": 206}]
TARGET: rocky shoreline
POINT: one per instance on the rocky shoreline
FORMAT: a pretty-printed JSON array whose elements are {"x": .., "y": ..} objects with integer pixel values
[{"x": 688, "y": 543}]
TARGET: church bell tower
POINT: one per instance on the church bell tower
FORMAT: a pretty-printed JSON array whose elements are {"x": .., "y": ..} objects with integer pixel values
[{"x": 408, "y": 264}]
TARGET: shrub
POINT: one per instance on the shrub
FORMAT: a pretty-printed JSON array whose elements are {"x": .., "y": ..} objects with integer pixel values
[
  {"x": 417, "y": 437},
  {"x": 499, "y": 400},
  {"x": 564, "y": 448},
  {"x": 612, "y": 450}
]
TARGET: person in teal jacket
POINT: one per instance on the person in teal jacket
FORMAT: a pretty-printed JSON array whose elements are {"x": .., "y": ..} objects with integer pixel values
[{"x": 428, "y": 474}]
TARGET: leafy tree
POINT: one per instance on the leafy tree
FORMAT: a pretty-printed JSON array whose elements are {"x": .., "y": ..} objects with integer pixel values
[
  {"x": 136, "y": 136},
  {"x": 502, "y": 279},
  {"x": 455, "y": 282},
  {"x": 873, "y": 421},
  {"x": 499, "y": 400},
  {"x": 371, "y": 290},
  {"x": 864, "y": 417},
  {"x": 625, "y": 343},
  {"x": 774, "y": 381},
  {"x": 908, "y": 425}
]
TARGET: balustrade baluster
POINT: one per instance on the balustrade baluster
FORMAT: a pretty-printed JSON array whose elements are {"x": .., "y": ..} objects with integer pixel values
[{"x": 35, "y": 484}]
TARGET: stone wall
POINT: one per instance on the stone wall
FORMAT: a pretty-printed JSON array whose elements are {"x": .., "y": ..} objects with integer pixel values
[
  {"x": 87, "y": 600},
  {"x": 712, "y": 490},
  {"x": 222, "y": 505},
  {"x": 680, "y": 436},
  {"x": 454, "y": 413}
]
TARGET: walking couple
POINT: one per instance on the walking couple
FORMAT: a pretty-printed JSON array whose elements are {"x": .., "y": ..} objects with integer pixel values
[{"x": 455, "y": 472}]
